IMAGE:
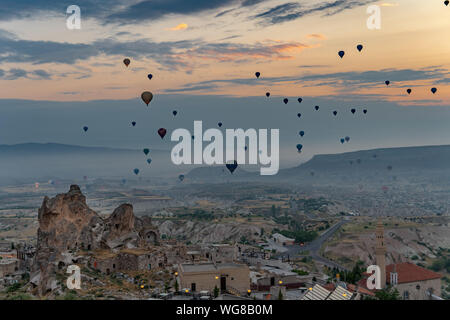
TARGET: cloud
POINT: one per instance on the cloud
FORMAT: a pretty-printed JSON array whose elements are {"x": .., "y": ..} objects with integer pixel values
[
  {"x": 181, "y": 26},
  {"x": 341, "y": 80},
  {"x": 17, "y": 73},
  {"x": 293, "y": 10},
  {"x": 316, "y": 36}
]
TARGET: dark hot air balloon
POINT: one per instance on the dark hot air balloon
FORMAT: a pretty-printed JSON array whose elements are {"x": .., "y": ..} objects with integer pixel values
[
  {"x": 347, "y": 139},
  {"x": 285, "y": 100},
  {"x": 365, "y": 111},
  {"x": 342, "y": 140},
  {"x": 409, "y": 91},
  {"x": 149, "y": 76},
  {"x": 257, "y": 74},
  {"x": 335, "y": 113},
  {"x": 220, "y": 124},
  {"x": 359, "y": 47},
  {"x": 174, "y": 112},
  {"x": 301, "y": 133},
  {"x": 299, "y": 147},
  {"x": 433, "y": 90},
  {"x": 162, "y": 132},
  {"x": 317, "y": 108},
  {"x": 299, "y": 115},
  {"x": 353, "y": 111},
  {"x": 341, "y": 54},
  {"x": 85, "y": 129},
  {"x": 232, "y": 166},
  {"x": 136, "y": 171},
  {"x": 147, "y": 97},
  {"x": 446, "y": 2},
  {"x": 146, "y": 151},
  {"x": 299, "y": 100},
  {"x": 387, "y": 82},
  {"x": 181, "y": 177},
  {"x": 133, "y": 123},
  {"x": 149, "y": 160},
  {"x": 267, "y": 94},
  {"x": 126, "y": 62}
]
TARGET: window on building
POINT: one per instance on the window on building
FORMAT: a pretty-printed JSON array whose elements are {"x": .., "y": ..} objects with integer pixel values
[{"x": 405, "y": 295}]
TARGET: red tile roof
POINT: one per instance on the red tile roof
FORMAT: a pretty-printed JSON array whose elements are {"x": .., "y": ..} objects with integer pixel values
[{"x": 409, "y": 272}]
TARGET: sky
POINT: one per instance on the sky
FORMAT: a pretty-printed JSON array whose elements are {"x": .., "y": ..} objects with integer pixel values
[{"x": 203, "y": 55}]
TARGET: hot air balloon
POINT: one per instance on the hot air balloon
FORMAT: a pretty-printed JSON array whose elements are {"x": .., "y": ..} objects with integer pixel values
[
  {"x": 181, "y": 177},
  {"x": 335, "y": 113},
  {"x": 433, "y": 90},
  {"x": 316, "y": 107},
  {"x": 146, "y": 151},
  {"x": 387, "y": 82},
  {"x": 267, "y": 94},
  {"x": 299, "y": 147},
  {"x": 133, "y": 123},
  {"x": 174, "y": 112},
  {"x": 136, "y": 171},
  {"x": 365, "y": 111},
  {"x": 342, "y": 140},
  {"x": 193, "y": 137},
  {"x": 299, "y": 115},
  {"x": 299, "y": 100},
  {"x": 301, "y": 133},
  {"x": 220, "y": 124},
  {"x": 149, "y": 76},
  {"x": 353, "y": 111},
  {"x": 246, "y": 148},
  {"x": 446, "y": 2},
  {"x": 409, "y": 91},
  {"x": 85, "y": 129},
  {"x": 149, "y": 160},
  {"x": 147, "y": 97},
  {"x": 285, "y": 100},
  {"x": 162, "y": 132},
  {"x": 232, "y": 166},
  {"x": 257, "y": 74},
  {"x": 36, "y": 185},
  {"x": 347, "y": 139},
  {"x": 359, "y": 47},
  {"x": 341, "y": 54},
  {"x": 126, "y": 62}
]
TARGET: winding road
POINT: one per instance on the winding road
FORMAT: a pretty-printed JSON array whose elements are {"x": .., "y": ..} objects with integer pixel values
[{"x": 314, "y": 247}]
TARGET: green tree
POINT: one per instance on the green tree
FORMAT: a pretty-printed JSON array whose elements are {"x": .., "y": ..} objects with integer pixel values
[
  {"x": 216, "y": 292},
  {"x": 280, "y": 295},
  {"x": 387, "y": 293}
]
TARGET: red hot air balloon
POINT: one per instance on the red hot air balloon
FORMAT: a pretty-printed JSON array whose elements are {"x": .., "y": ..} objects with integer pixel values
[{"x": 162, "y": 132}]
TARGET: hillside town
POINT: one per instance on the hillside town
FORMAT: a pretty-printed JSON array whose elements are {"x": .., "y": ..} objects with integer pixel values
[{"x": 123, "y": 256}]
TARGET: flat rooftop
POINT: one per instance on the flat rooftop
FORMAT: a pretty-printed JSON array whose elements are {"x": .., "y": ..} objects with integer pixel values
[{"x": 205, "y": 267}]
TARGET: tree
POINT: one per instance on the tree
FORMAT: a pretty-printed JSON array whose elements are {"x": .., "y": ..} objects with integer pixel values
[
  {"x": 280, "y": 295},
  {"x": 176, "y": 285},
  {"x": 216, "y": 292},
  {"x": 388, "y": 293}
]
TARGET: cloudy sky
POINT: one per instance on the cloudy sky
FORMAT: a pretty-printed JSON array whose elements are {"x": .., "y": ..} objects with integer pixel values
[{"x": 212, "y": 48}]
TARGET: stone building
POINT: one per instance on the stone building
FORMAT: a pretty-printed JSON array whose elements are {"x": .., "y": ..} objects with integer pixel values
[
  {"x": 410, "y": 280},
  {"x": 227, "y": 277}
]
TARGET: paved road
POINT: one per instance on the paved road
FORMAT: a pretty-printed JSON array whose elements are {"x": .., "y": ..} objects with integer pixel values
[{"x": 314, "y": 247}]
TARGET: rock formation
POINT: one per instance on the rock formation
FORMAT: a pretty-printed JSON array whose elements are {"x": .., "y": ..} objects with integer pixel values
[{"x": 67, "y": 225}]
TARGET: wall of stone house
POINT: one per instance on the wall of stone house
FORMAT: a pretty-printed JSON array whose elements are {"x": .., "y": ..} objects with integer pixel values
[
  {"x": 266, "y": 281},
  {"x": 127, "y": 261},
  {"x": 421, "y": 293},
  {"x": 105, "y": 265},
  {"x": 8, "y": 268},
  {"x": 237, "y": 278}
]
